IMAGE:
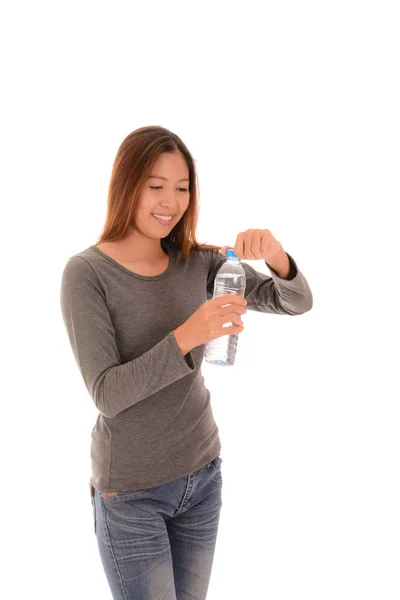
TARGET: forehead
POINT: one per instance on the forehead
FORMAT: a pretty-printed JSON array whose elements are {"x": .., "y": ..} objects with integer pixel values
[{"x": 171, "y": 165}]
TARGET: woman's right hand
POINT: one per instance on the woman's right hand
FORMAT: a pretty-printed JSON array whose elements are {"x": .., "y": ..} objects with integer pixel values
[{"x": 206, "y": 323}]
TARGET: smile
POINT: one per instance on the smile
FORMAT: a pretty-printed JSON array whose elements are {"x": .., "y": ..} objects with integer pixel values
[{"x": 163, "y": 221}]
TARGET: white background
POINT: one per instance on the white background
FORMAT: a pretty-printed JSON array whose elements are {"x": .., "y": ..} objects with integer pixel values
[{"x": 291, "y": 111}]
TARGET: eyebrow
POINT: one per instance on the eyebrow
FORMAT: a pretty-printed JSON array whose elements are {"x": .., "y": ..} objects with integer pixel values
[{"x": 166, "y": 178}]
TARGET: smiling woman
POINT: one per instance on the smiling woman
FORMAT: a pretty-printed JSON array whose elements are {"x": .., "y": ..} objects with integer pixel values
[
  {"x": 153, "y": 177},
  {"x": 138, "y": 321}
]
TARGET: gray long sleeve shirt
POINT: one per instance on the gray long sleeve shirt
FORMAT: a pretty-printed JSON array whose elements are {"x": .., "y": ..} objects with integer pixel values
[{"x": 155, "y": 421}]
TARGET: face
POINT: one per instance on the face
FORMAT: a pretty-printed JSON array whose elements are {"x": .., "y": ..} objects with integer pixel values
[{"x": 166, "y": 192}]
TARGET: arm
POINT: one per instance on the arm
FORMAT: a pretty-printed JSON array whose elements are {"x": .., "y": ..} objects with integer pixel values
[
  {"x": 281, "y": 265},
  {"x": 113, "y": 386},
  {"x": 277, "y": 295},
  {"x": 183, "y": 346}
]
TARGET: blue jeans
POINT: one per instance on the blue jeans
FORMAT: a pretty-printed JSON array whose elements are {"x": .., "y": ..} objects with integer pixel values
[{"x": 158, "y": 544}]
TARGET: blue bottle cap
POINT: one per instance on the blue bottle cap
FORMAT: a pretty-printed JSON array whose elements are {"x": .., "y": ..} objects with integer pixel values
[{"x": 230, "y": 254}]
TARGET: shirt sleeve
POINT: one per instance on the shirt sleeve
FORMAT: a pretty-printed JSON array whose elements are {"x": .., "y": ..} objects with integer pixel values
[
  {"x": 269, "y": 294},
  {"x": 113, "y": 386}
]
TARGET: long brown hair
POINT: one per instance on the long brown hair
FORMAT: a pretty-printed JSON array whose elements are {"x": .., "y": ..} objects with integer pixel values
[{"x": 132, "y": 166}]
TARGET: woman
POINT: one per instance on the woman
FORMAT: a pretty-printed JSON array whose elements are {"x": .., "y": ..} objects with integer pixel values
[{"x": 138, "y": 309}]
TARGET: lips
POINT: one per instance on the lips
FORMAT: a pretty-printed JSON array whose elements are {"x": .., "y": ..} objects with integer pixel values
[{"x": 163, "y": 221}]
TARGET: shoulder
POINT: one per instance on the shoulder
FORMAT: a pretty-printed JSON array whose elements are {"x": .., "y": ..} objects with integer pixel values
[
  {"x": 204, "y": 253},
  {"x": 79, "y": 270}
]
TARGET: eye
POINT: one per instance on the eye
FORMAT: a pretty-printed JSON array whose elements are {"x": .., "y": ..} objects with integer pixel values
[{"x": 158, "y": 187}]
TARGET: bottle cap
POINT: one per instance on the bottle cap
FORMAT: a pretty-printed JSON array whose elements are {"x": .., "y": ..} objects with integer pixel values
[{"x": 230, "y": 254}]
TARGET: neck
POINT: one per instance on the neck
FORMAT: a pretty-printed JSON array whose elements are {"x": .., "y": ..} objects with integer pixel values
[{"x": 138, "y": 247}]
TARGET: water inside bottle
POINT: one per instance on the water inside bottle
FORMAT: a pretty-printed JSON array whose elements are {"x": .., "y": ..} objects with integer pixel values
[{"x": 222, "y": 351}]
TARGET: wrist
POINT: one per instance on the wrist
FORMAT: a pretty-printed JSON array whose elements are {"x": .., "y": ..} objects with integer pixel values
[
  {"x": 280, "y": 264},
  {"x": 181, "y": 342}
]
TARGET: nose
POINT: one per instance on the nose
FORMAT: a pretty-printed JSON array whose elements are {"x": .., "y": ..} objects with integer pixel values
[{"x": 170, "y": 204}]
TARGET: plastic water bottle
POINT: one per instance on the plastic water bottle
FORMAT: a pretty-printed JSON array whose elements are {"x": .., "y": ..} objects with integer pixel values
[{"x": 230, "y": 279}]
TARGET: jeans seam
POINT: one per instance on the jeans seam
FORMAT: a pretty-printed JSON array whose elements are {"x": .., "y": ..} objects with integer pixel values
[
  {"x": 103, "y": 508},
  {"x": 94, "y": 513}
]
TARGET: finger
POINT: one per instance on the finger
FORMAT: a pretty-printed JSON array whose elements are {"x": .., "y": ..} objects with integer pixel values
[
  {"x": 239, "y": 246},
  {"x": 257, "y": 244}
]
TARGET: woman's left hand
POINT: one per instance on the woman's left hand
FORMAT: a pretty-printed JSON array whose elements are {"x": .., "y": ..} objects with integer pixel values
[{"x": 255, "y": 244}]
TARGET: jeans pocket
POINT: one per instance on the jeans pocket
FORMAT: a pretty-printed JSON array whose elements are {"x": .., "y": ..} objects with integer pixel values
[
  {"x": 115, "y": 496},
  {"x": 217, "y": 475}
]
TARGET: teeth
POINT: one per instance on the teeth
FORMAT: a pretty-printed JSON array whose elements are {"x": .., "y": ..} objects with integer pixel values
[{"x": 161, "y": 217}]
